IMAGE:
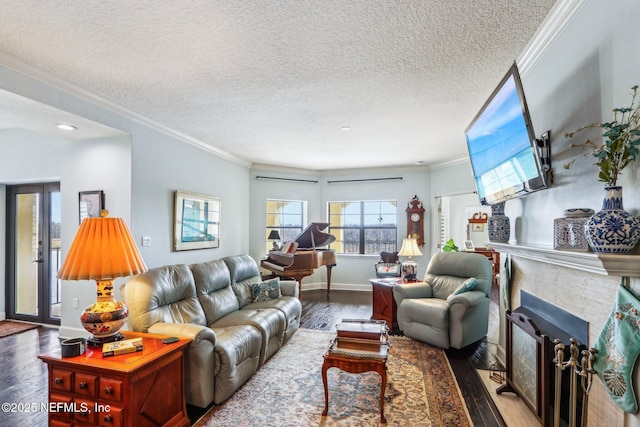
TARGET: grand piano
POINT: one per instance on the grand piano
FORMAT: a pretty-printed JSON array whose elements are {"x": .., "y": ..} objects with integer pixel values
[{"x": 306, "y": 258}]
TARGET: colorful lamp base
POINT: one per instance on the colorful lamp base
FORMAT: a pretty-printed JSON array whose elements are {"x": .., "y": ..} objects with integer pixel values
[
  {"x": 409, "y": 270},
  {"x": 104, "y": 318}
]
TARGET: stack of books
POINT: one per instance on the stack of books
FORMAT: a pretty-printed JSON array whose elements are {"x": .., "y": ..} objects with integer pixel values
[
  {"x": 122, "y": 347},
  {"x": 361, "y": 338}
]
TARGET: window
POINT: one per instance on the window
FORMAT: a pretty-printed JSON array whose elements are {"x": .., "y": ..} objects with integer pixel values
[
  {"x": 364, "y": 227},
  {"x": 286, "y": 217}
]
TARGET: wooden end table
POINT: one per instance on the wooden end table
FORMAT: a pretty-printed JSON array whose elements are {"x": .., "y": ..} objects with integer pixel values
[
  {"x": 356, "y": 356},
  {"x": 384, "y": 305},
  {"x": 136, "y": 389}
]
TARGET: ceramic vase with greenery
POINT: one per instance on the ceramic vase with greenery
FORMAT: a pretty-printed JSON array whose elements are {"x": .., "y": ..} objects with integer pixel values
[{"x": 612, "y": 229}]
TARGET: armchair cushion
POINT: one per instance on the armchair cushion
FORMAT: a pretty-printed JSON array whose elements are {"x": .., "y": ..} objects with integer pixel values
[{"x": 263, "y": 291}]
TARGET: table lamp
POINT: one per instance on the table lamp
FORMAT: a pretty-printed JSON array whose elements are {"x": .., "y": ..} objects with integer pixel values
[
  {"x": 274, "y": 236},
  {"x": 409, "y": 267},
  {"x": 102, "y": 250}
]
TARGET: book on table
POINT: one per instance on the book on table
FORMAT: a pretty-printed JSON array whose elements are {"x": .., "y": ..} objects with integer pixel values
[
  {"x": 363, "y": 329},
  {"x": 122, "y": 347}
]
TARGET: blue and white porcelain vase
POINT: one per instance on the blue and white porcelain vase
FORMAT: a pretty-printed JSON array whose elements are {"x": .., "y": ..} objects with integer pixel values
[
  {"x": 499, "y": 225},
  {"x": 612, "y": 230}
]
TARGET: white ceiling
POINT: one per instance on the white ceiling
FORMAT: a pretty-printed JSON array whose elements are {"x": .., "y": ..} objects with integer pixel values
[{"x": 275, "y": 81}]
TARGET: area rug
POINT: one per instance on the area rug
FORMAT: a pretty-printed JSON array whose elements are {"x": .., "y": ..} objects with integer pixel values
[
  {"x": 288, "y": 390},
  {"x": 7, "y": 327}
]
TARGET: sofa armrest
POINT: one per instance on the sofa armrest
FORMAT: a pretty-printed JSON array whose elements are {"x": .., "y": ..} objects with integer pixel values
[
  {"x": 412, "y": 290},
  {"x": 468, "y": 299},
  {"x": 196, "y": 333},
  {"x": 289, "y": 288}
]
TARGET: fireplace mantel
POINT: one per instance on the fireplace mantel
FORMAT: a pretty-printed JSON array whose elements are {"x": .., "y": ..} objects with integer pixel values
[{"x": 607, "y": 264}]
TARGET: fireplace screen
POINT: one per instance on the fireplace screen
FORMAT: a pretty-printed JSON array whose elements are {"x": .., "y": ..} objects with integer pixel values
[{"x": 524, "y": 375}]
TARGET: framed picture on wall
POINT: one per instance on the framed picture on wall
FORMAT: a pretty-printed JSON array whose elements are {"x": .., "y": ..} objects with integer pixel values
[
  {"x": 477, "y": 227},
  {"x": 197, "y": 221},
  {"x": 90, "y": 204}
]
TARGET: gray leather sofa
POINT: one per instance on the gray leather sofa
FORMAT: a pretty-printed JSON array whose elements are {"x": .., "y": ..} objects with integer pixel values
[
  {"x": 212, "y": 303},
  {"x": 441, "y": 311}
]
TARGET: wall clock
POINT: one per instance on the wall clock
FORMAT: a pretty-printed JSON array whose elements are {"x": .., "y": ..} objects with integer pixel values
[{"x": 415, "y": 220}]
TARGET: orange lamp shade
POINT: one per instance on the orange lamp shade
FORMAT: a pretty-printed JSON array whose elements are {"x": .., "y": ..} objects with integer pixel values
[{"x": 102, "y": 249}]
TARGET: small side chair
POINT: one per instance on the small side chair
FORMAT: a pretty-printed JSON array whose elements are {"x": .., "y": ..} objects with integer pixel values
[{"x": 388, "y": 266}]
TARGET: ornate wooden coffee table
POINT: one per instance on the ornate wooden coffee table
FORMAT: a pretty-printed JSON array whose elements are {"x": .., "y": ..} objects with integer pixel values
[{"x": 356, "y": 356}]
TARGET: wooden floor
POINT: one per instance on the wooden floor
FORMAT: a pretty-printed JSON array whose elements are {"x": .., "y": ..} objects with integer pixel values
[{"x": 23, "y": 376}]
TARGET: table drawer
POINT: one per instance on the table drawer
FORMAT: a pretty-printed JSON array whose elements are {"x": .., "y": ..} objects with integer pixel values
[
  {"x": 85, "y": 411},
  {"x": 110, "y": 389},
  {"x": 114, "y": 417},
  {"x": 85, "y": 385},
  {"x": 61, "y": 379}
]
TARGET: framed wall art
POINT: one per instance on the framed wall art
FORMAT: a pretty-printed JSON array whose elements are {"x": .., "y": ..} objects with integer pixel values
[
  {"x": 197, "y": 221},
  {"x": 90, "y": 204}
]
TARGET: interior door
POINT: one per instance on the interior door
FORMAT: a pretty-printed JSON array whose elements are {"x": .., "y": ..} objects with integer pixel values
[{"x": 33, "y": 252}]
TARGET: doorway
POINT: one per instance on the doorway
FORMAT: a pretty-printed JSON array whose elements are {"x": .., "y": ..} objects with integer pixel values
[{"x": 33, "y": 252}]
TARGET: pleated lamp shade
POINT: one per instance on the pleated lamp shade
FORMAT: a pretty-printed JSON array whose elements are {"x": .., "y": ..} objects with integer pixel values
[{"x": 103, "y": 250}]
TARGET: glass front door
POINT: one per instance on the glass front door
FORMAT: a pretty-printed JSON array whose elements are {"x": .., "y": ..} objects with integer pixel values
[{"x": 33, "y": 249}]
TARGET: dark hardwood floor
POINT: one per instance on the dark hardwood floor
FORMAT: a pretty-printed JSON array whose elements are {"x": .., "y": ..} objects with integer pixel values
[{"x": 23, "y": 377}]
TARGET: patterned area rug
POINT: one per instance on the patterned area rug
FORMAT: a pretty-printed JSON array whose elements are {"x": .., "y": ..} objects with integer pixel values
[
  {"x": 288, "y": 390},
  {"x": 7, "y": 327}
]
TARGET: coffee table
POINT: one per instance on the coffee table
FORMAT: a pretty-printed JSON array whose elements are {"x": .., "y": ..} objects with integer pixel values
[{"x": 356, "y": 356}]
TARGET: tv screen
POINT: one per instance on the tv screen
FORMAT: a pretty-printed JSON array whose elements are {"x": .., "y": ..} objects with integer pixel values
[{"x": 502, "y": 145}]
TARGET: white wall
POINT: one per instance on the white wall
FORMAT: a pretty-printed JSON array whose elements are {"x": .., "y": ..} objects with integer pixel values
[{"x": 163, "y": 165}]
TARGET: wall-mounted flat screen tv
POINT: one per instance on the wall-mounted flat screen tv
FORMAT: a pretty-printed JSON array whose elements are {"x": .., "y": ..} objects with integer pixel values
[{"x": 502, "y": 146}]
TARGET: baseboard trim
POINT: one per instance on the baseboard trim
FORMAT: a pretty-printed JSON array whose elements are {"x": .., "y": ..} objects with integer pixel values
[
  {"x": 3, "y": 315},
  {"x": 337, "y": 287}
]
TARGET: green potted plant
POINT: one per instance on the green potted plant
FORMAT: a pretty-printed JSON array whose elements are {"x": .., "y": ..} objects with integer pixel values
[
  {"x": 612, "y": 229},
  {"x": 450, "y": 246}
]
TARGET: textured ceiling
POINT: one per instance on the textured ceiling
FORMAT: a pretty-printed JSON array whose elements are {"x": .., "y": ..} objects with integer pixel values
[{"x": 274, "y": 81}]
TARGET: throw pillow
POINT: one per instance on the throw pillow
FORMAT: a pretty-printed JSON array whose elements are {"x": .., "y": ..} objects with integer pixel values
[
  {"x": 618, "y": 347},
  {"x": 263, "y": 291},
  {"x": 467, "y": 285}
]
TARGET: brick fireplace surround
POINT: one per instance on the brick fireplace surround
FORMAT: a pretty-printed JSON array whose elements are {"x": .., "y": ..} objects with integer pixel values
[{"x": 583, "y": 284}]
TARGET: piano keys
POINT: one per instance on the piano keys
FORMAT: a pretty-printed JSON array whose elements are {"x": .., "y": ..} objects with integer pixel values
[{"x": 308, "y": 257}]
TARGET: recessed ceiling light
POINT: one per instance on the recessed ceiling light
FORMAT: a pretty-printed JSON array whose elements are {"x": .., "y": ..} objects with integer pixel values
[
  {"x": 419, "y": 162},
  {"x": 65, "y": 126},
  {"x": 345, "y": 128}
]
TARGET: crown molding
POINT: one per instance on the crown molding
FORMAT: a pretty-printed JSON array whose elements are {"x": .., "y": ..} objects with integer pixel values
[
  {"x": 255, "y": 167},
  {"x": 43, "y": 76},
  {"x": 558, "y": 18}
]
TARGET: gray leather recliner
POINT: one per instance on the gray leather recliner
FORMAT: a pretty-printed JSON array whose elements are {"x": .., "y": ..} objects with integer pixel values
[{"x": 430, "y": 312}]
